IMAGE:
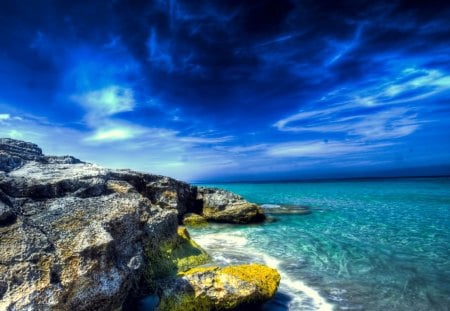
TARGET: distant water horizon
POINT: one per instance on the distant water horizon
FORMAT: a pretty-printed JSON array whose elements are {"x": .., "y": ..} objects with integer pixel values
[
  {"x": 379, "y": 244},
  {"x": 319, "y": 179}
]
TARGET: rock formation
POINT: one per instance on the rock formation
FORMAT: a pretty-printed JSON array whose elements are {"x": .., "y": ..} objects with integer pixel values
[
  {"x": 214, "y": 288},
  {"x": 74, "y": 235},
  {"x": 224, "y": 206}
]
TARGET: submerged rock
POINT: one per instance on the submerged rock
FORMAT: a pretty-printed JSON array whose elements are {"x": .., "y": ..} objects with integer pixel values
[
  {"x": 214, "y": 288},
  {"x": 74, "y": 235},
  {"x": 194, "y": 220},
  {"x": 286, "y": 209},
  {"x": 224, "y": 206}
]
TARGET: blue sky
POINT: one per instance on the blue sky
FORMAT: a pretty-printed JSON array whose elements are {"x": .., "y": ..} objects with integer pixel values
[{"x": 231, "y": 90}]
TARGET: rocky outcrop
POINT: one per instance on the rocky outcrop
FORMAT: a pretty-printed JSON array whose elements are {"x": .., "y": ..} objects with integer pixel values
[
  {"x": 224, "y": 206},
  {"x": 15, "y": 153},
  {"x": 83, "y": 253},
  {"x": 78, "y": 236},
  {"x": 214, "y": 288}
]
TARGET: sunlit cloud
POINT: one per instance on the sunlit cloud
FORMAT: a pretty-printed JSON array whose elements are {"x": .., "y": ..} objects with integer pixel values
[
  {"x": 107, "y": 101},
  {"x": 4, "y": 116},
  {"x": 317, "y": 149},
  {"x": 113, "y": 134}
]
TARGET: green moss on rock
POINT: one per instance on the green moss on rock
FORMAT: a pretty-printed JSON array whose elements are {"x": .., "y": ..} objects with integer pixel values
[
  {"x": 214, "y": 288},
  {"x": 194, "y": 220},
  {"x": 173, "y": 256},
  {"x": 266, "y": 279},
  {"x": 188, "y": 253}
]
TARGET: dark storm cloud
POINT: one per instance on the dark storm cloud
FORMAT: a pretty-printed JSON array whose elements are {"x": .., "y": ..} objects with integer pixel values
[
  {"x": 271, "y": 79},
  {"x": 204, "y": 54}
]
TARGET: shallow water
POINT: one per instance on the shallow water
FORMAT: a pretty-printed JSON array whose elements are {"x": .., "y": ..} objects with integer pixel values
[{"x": 366, "y": 245}]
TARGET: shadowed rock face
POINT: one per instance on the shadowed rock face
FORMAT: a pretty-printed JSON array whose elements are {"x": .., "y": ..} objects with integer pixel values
[{"x": 78, "y": 236}]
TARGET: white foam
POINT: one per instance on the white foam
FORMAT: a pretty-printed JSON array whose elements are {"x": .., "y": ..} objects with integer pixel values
[
  {"x": 224, "y": 240},
  {"x": 237, "y": 242},
  {"x": 296, "y": 285}
]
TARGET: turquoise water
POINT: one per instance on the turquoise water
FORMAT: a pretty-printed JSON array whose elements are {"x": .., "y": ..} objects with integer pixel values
[{"x": 366, "y": 245}]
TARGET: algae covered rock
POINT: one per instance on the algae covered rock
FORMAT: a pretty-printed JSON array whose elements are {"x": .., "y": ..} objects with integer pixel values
[
  {"x": 194, "y": 220},
  {"x": 224, "y": 206},
  {"x": 174, "y": 256},
  {"x": 214, "y": 288}
]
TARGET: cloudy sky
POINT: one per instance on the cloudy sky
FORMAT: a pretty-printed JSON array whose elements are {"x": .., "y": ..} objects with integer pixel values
[{"x": 231, "y": 90}]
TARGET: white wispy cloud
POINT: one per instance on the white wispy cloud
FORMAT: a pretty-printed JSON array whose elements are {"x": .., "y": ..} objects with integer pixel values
[
  {"x": 372, "y": 113},
  {"x": 345, "y": 47},
  {"x": 389, "y": 123},
  {"x": 317, "y": 149},
  {"x": 246, "y": 149},
  {"x": 205, "y": 140}
]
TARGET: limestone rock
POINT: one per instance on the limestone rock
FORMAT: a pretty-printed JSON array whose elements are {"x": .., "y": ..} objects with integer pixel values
[
  {"x": 224, "y": 206},
  {"x": 194, "y": 220},
  {"x": 214, "y": 288},
  {"x": 74, "y": 235}
]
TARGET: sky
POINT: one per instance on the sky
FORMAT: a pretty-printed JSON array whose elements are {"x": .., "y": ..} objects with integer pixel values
[{"x": 231, "y": 90}]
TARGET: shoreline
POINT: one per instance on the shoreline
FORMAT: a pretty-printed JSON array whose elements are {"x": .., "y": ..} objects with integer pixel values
[{"x": 233, "y": 248}]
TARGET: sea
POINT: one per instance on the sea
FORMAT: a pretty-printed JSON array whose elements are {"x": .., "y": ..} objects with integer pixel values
[{"x": 380, "y": 244}]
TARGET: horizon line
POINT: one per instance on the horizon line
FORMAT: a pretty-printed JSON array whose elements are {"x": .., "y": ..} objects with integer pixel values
[{"x": 319, "y": 179}]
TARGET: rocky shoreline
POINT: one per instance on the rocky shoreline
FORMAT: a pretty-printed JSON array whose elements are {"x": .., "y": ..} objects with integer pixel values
[{"x": 78, "y": 236}]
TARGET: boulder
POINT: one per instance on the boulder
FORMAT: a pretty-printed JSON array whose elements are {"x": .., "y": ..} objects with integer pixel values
[
  {"x": 214, "y": 288},
  {"x": 224, "y": 206}
]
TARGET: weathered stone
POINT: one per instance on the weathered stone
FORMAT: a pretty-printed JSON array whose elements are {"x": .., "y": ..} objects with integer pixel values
[
  {"x": 214, "y": 288},
  {"x": 224, "y": 206},
  {"x": 74, "y": 235}
]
